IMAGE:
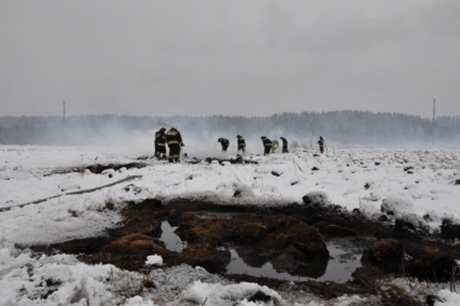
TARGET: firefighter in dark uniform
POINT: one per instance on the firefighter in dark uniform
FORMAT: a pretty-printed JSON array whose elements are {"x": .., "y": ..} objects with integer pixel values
[
  {"x": 160, "y": 144},
  {"x": 267, "y": 145},
  {"x": 321, "y": 144},
  {"x": 224, "y": 143},
  {"x": 241, "y": 143},
  {"x": 174, "y": 141},
  {"x": 285, "y": 145}
]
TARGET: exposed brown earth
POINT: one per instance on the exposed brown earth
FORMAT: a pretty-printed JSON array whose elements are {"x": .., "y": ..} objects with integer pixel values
[{"x": 285, "y": 236}]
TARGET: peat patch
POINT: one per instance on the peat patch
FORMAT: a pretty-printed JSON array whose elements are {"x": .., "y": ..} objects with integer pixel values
[{"x": 286, "y": 241}]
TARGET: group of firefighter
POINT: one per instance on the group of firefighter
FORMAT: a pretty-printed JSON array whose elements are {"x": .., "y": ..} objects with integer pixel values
[
  {"x": 173, "y": 139},
  {"x": 269, "y": 146}
]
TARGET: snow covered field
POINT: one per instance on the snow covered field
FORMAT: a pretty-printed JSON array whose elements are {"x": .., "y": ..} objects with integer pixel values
[{"x": 416, "y": 182}]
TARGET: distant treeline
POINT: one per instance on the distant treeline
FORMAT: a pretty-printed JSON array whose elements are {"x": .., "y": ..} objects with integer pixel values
[{"x": 343, "y": 127}]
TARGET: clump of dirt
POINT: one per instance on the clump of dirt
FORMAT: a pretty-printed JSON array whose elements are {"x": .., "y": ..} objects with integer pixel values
[
  {"x": 206, "y": 256},
  {"x": 433, "y": 265},
  {"x": 287, "y": 237},
  {"x": 130, "y": 251},
  {"x": 387, "y": 254}
]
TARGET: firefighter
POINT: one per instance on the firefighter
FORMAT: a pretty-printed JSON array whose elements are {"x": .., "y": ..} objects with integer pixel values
[
  {"x": 160, "y": 144},
  {"x": 241, "y": 143},
  {"x": 321, "y": 143},
  {"x": 267, "y": 145},
  {"x": 174, "y": 141},
  {"x": 224, "y": 143},
  {"x": 275, "y": 145},
  {"x": 285, "y": 145}
]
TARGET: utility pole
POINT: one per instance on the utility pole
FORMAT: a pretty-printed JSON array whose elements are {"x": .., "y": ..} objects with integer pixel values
[
  {"x": 63, "y": 122},
  {"x": 433, "y": 123}
]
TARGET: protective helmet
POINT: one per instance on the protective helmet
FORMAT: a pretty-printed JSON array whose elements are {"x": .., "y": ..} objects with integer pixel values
[
  {"x": 238, "y": 136},
  {"x": 263, "y": 137}
]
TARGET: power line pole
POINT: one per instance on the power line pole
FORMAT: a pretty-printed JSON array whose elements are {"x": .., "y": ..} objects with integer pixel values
[
  {"x": 433, "y": 123},
  {"x": 63, "y": 122}
]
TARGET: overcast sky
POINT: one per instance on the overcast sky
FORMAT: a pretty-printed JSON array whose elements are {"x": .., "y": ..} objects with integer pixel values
[{"x": 229, "y": 57}]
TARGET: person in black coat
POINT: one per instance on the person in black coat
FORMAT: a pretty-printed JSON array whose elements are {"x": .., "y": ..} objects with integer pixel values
[
  {"x": 267, "y": 145},
  {"x": 285, "y": 145},
  {"x": 241, "y": 143},
  {"x": 321, "y": 144},
  {"x": 174, "y": 141},
  {"x": 160, "y": 144},
  {"x": 224, "y": 143}
]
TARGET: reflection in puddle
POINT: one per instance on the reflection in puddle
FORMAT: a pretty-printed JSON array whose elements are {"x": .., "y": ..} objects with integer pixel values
[
  {"x": 344, "y": 259},
  {"x": 170, "y": 239},
  {"x": 338, "y": 268},
  {"x": 237, "y": 266}
]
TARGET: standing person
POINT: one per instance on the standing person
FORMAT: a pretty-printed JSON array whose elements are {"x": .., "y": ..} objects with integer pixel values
[
  {"x": 321, "y": 144},
  {"x": 160, "y": 144},
  {"x": 275, "y": 145},
  {"x": 267, "y": 145},
  {"x": 224, "y": 143},
  {"x": 174, "y": 141},
  {"x": 241, "y": 143},
  {"x": 285, "y": 145}
]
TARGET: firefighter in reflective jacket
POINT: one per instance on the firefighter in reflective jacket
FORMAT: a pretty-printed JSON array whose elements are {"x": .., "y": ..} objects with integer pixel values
[
  {"x": 174, "y": 141},
  {"x": 267, "y": 145},
  {"x": 285, "y": 145},
  {"x": 241, "y": 143},
  {"x": 224, "y": 143},
  {"x": 160, "y": 144}
]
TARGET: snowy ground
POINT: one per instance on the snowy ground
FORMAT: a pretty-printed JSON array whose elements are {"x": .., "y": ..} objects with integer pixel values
[{"x": 415, "y": 181}]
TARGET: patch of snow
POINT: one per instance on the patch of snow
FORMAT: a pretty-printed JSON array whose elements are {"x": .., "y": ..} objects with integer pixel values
[{"x": 154, "y": 260}]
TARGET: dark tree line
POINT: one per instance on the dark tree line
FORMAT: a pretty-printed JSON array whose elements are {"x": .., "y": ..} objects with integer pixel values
[{"x": 344, "y": 127}]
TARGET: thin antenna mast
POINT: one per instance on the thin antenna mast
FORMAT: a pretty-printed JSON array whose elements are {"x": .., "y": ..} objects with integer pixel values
[
  {"x": 63, "y": 122},
  {"x": 433, "y": 123}
]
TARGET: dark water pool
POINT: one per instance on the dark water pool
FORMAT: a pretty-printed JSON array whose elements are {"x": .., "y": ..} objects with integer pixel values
[{"x": 345, "y": 258}]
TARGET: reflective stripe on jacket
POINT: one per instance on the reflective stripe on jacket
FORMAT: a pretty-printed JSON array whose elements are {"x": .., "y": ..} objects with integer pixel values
[
  {"x": 173, "y": 137},
  {"x": 160, "y": 139},
  {"x": 267, "y": 142},
  {"x": 241, "y": 142}
]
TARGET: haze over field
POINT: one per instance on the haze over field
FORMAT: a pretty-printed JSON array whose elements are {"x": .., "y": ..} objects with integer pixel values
[{"x": 341, "y": 128}]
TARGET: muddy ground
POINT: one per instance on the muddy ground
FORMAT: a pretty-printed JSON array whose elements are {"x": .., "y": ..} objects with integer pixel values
[{"x": 287, "y": 237}]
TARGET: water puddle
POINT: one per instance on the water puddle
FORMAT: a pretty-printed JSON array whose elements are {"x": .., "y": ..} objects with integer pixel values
[
  {"x": 344, "y": 259},
  {"x": 170, "y": 239},
  {"x": 342, "y": 263}
]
